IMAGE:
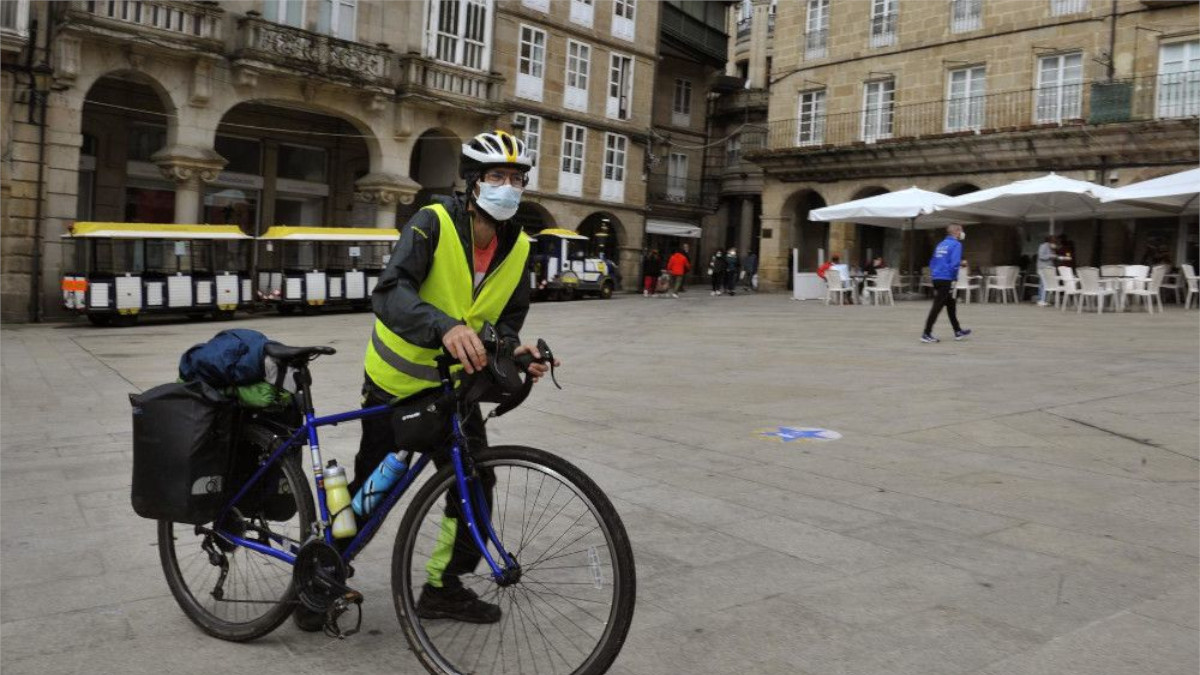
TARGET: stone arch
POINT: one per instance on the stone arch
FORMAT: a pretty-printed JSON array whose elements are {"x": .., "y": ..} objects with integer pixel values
[
  {"x": 594, "y": 227},
  {"x": 870, "y": 241},
  {"x": 369, "y": 134},
  {"x": 869, "y": 191},
  {"x": 533, "y": 217},
  {"x": 805, "y": 235},
  {"x": 959, "y": 188},
  {"x": 433, "y": 162}
]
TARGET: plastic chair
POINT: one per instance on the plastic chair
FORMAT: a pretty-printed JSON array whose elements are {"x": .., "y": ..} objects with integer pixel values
[
  {"x": 1049, "y": 279},
  {"x": 1068, "y": 286},
  {"x": 835, "y": 284},
  {"x": 1148, "y": 289},
  {"x": 1089, "y": 287},
  {"x": 926, "y": 281},
  {"x": 1193, "y": 285},
  {"x": 881, "y": 286},
  {"x": 1172, "y": 282},
  {"x": 1004, "y": 280},
  {"x": 1029, "y": 282},
  {"x": 967, "y": 283},
  {"x": 1136, "y": 271},
  {"x": 1112, "y": 270}
]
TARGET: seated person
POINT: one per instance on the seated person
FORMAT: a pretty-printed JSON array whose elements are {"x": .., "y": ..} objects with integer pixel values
[{"x": 826, "y": 265}]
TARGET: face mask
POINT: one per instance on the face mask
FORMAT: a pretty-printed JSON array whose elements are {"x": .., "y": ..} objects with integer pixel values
[
  {"x": 962, "y": 236},
  {"x": 499, "y": 201}
]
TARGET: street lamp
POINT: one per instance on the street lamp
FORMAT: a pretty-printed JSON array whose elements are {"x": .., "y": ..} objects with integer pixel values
[{"x": 43, "y": 75}]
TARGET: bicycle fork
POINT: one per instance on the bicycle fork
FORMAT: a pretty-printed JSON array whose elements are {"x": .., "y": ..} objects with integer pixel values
[{"x": 468, "y": 499}]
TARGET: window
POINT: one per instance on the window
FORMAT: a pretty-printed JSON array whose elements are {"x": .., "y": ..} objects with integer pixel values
[
  {"x": 285, "y": 12},
  {"x": 771, "y": 15},
  {"x": 677, "y": 173},
  {"x": 883, "y": 23},
  {"x": 539, "y": 5},
  {"x": 531, "y": 63},
  {"x": 338, "y": 18},
  {"x": 965, "y": 15},
  {"x": 575, "y": 94},
  {"x": 1063, "y": 7},
  {"x": 965, "y": 99},
  {"x": 144, "y": 140},
  {"x": 14, "y": 17},
  {"x": 816, "y": 34},
  {"x": 879, "y": 102},
  {"x": 622, "y": 22},
  {"x": 612, "y": 188},
  {"x": 745, "y": 16},
  {"x": 459, "y": 32},
  {"x": 1060, "y": 87},
  {"x": 681, "y": 106},
  {"x": 810, "y": 122},
  {"x": 242, "y": 155},
  {"x": 298, "y": 162},
  {"x": 582, "y": 12},
  {"x": 733, "y": 150},
  {"x": 620, "y": 87},
  {"x": 1179, "y": 79},
  {"x": 570, "y": 175},
  {"x": 533, "y": 140}
]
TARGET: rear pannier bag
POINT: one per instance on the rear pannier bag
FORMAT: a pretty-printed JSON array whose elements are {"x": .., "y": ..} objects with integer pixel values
[{"x": 181, "y": 452}]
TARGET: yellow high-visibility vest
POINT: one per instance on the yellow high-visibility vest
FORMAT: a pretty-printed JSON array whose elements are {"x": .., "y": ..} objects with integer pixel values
[{"x": 402, "y": 368}]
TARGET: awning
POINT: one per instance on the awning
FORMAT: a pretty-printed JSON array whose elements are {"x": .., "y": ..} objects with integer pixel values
[
  {"x": 298, "y": 233},
  {"x": 154, "y": 231},
  {"x": 672, "y": 228},
  {"x": 565, "y": 234}
]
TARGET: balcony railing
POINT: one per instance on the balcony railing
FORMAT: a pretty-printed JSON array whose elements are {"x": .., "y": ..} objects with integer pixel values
[
  {"x": 743, "y": 28},
  {"x": 187, "y": 19},
  {"x": 664, "y": 188},
  {"x": 740, "y": 101},
  {"x": 815, "y": 43},
  {"x": 421, "y": 74},
  {"x": 1166, "y": 96},
  {"x": 309, "y": 52},
  {"x": 692, "y": 32}
]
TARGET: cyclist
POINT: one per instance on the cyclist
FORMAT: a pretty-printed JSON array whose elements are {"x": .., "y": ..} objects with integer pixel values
[{"x": 459, "y": 262}]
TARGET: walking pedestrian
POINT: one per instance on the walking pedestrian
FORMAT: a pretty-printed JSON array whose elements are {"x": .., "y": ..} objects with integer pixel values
[
  {"x": 750, "y": 271},
  {"x": 943, "y": 271},
  {"x": 651, "y": 269},
  {"x": 677, "y": 266},
  {"x": 1047, "y": 257},
  {"x": 733, "y": 266},
  {"x": 716, "y": 270}
]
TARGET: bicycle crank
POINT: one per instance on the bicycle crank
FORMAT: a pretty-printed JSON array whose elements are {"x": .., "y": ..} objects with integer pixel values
[{"x": 320, "y": 577}]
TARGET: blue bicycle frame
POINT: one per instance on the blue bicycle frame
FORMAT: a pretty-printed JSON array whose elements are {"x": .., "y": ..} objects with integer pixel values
[{"x": 307, "y": 433}]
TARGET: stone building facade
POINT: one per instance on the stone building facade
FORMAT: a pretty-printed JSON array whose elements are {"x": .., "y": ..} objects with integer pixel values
[{"x": 871, "y": 96}]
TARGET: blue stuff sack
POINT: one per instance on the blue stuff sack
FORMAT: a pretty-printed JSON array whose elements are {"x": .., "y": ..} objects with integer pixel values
[{"x": 230, "y": 359}]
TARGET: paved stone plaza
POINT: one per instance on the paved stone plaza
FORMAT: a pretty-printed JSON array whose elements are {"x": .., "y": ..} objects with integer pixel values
[{"x": 1025, "y": 502}]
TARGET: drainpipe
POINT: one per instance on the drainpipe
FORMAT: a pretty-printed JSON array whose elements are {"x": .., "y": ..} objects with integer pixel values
[{"x": 1112, "y": 41}]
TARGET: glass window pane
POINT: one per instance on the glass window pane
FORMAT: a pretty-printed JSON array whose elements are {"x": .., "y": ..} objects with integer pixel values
[
  {"x": 300, "y": 163},
  {"x": 242, "y": 154}
]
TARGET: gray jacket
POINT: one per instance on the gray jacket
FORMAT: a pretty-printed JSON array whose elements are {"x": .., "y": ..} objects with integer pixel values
[{"x": 396, "y": 300}]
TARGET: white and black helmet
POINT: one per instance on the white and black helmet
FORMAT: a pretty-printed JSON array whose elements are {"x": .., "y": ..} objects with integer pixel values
[{"x": 494, "y": 148}]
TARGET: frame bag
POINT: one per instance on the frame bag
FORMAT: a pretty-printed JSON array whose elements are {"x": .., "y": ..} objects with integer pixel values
[{"x": 181, "y": 452}]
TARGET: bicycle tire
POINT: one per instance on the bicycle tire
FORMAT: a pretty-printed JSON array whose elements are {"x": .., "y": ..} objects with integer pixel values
[
  {"x": 191, "y": 574},
  {"x": 445, "y": 646}
]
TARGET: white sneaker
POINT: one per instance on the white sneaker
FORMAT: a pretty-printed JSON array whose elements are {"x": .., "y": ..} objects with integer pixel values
[
  {"x": 646, "y": 293},
  {"x": 1043, "y": 303},
  {"x": 675, "y": 295}
]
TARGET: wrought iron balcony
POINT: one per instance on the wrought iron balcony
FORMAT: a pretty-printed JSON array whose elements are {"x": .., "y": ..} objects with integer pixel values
[
  {"x": 305, "y": 52},
  {"x": 667, "y": 189},
  {"x": 424, "y": 75},
  {"x": 188, "y": 24},
  {"x": 740, "y": 101},
  {"x": 691, "y": 33},
  {"x": 1166, "y": 96}
]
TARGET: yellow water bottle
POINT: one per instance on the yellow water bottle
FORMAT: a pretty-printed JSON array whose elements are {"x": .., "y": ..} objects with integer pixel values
[{"x": 337, "y": 498}]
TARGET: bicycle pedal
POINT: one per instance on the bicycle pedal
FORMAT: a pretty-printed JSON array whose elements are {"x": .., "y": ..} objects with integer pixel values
[{"x": 339, "y": 607}]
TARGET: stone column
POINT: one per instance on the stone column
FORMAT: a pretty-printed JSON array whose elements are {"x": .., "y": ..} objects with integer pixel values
[
  {"x": 385, "y": 191},
  {"x": 190, "y": 168},
  {"x": 745, "y": 227},
  {"x": 773, "y": 253}
]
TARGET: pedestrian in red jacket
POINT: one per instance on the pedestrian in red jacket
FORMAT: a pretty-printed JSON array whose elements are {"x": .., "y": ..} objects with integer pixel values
[{"x": 677, "y": 266}]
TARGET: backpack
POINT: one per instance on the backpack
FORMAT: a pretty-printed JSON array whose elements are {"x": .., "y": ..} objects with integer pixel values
[{"x": 230, "y": 359}]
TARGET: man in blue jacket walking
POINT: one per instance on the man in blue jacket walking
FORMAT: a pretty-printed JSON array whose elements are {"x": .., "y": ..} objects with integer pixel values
[{"x": 943, "y": 270}]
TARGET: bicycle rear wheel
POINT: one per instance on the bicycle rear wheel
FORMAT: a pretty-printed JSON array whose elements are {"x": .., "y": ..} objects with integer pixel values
[
  {"x": 571, "y": 609},
  {"x": 231, "y": 592}
]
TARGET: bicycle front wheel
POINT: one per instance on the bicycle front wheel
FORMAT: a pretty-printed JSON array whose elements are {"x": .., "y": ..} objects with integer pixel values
[
  {"x": 231, "y": 592},
  {"x": 571, "y": 609}
]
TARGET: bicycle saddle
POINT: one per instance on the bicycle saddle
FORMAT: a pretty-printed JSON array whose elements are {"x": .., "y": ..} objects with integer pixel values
[{"x": 294, "y": 354}]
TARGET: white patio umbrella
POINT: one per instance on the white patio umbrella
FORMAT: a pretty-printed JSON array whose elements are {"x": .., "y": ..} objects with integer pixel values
[
  {"x": 905, "y": 209},
  {"x": 1050, "y": 198},
  {"x": 1177, "y": 192}
]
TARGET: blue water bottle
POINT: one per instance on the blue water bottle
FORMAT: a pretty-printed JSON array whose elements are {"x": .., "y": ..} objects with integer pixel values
[{"x": 379, "y": 484}]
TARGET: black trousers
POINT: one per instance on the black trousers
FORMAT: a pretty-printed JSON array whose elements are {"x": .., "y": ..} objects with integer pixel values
[
  {"x": 429, "y": 434},
  {"x": 942, "y": 297}
]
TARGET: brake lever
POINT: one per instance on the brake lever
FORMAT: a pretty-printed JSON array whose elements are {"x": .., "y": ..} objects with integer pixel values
[{"x": 548, "y": 357}]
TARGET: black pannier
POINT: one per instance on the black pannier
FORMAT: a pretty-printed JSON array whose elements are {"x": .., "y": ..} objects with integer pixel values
[{"x": 181, "y": 452}]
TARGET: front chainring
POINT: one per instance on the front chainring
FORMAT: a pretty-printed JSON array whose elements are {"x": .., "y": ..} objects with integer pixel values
[{"x": 320, "y": 575}]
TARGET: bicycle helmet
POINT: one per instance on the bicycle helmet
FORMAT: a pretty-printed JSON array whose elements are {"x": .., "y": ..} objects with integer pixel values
[{"x": 494, "y": 148}]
